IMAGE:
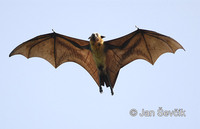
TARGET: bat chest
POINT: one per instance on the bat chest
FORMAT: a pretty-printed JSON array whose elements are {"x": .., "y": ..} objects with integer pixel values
[{"x": 99, "y": 55}]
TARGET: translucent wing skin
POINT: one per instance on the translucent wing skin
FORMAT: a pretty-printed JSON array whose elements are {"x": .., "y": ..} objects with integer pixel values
[
  {"x": 140, "y": 44},
  {"x": 58, "y": 49}
]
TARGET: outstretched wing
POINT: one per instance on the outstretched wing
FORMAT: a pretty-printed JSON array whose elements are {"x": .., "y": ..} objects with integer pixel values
[
  {"x": 57, "y": 49},
  {"x": 140, "y": 44}
]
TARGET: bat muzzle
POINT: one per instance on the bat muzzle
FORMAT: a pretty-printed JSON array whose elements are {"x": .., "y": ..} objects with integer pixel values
[{"x": 94, "y": 37}]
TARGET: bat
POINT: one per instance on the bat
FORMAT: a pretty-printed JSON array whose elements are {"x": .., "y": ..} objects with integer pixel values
[{"x": 102, "y": 60}]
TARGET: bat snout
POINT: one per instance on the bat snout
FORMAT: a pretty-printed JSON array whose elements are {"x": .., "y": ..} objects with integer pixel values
[{"x": 94, "y": 37}]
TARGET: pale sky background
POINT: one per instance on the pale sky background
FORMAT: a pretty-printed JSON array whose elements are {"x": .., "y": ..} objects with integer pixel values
[{"x": 34, "y": 95}]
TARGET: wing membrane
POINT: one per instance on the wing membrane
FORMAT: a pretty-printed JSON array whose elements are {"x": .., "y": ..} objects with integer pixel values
[
  {"x": 140, "y": 44},
  {"x": 58, "y": 49}
]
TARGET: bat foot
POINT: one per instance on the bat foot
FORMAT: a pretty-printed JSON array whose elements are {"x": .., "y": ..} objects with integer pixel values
[
  {"x": 111, "y": 89},
  {"x": 100, "y": 89}
]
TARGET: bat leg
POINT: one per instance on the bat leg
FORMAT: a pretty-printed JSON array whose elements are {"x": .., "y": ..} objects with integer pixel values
[
  {"x": 108, "y": 82},
  {"x": 100, "y": 87},
  {"x": 111, "y": 89},
  {"x": 104, "y": 78}
]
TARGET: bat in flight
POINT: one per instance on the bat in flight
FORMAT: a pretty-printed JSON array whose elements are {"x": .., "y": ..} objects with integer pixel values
[{"x": 102, "y": 60}]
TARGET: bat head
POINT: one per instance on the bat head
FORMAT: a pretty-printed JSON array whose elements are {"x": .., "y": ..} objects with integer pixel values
[{"x": 96, "y": 37}]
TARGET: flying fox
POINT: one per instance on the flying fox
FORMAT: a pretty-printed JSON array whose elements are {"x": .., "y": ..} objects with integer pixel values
[{"x": 102, "y": 59}]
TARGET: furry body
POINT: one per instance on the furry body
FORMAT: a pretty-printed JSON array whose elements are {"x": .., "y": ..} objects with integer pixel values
[{"x": 99, "y": 56}]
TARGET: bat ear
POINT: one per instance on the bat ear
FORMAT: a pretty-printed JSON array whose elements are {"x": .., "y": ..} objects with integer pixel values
[{"x": 103, "y": 37}]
